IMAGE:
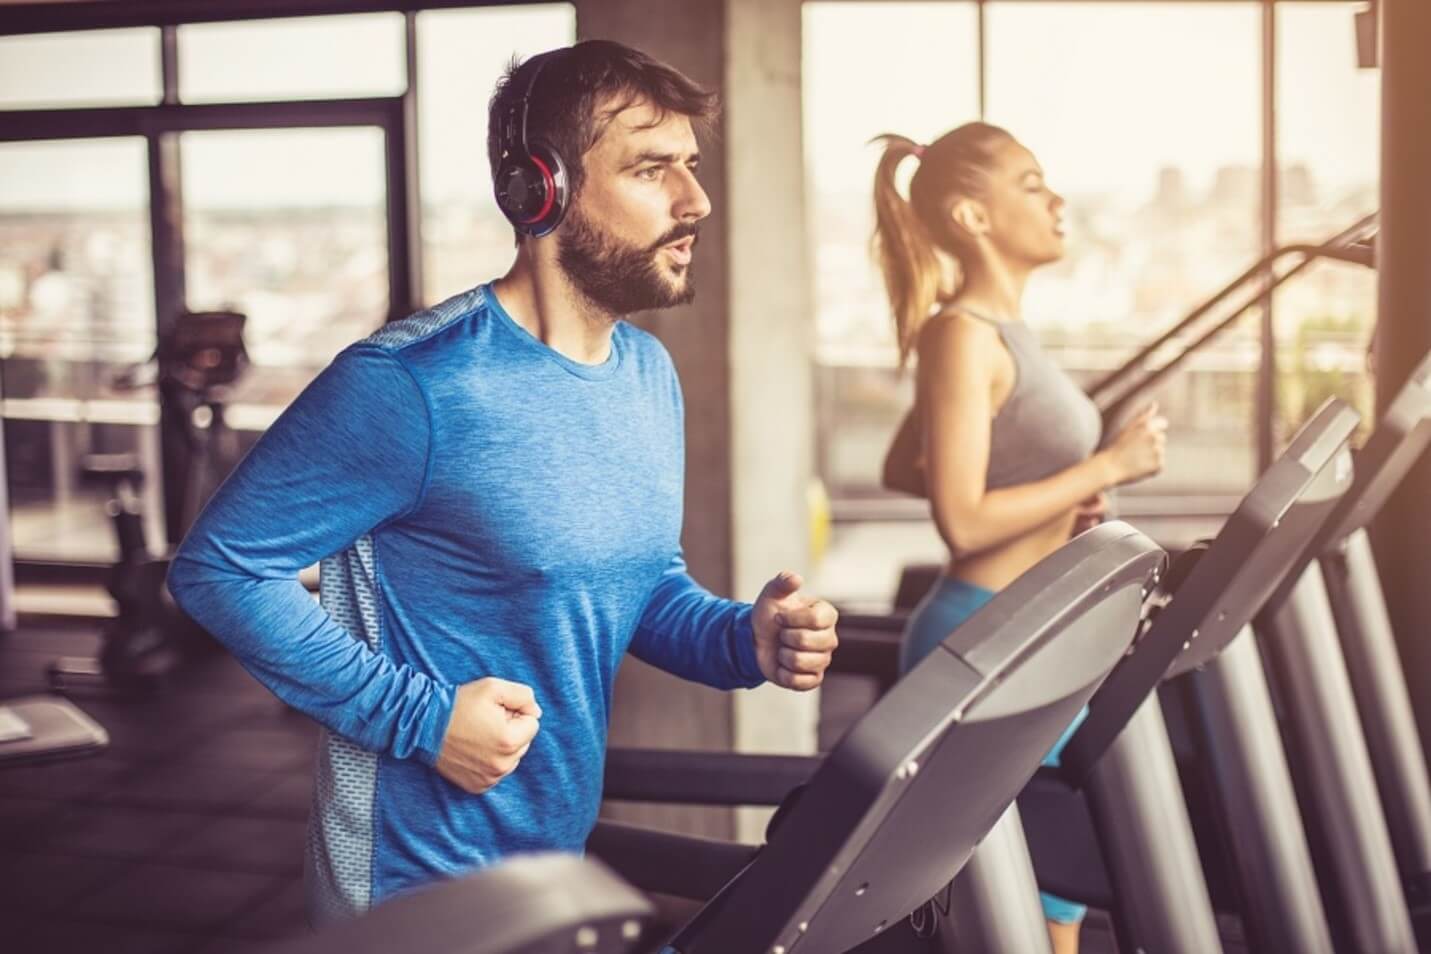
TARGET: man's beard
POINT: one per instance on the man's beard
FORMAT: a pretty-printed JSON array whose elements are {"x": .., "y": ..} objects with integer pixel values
[{"x": 619, "y": 278}]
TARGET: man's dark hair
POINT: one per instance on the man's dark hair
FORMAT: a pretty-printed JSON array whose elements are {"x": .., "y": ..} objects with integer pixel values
[{"x": 579, "y": 92}]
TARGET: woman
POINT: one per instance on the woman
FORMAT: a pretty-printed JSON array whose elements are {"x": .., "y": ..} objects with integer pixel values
[{"x": 1003, "y": 443}]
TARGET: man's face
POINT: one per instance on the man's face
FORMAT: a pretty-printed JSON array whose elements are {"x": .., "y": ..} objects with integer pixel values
[{"x": 627, "y": 241}]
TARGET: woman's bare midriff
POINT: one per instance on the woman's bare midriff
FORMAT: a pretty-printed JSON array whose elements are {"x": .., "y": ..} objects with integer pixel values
[{"x": 997, "y": 568}]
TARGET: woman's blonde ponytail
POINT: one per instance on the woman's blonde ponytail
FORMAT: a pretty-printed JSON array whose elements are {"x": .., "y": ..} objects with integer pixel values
[{"x": 906, "y": 253}]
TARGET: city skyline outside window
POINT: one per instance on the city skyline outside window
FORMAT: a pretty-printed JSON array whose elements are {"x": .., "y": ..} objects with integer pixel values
[{"x": 1163, "y": 181}]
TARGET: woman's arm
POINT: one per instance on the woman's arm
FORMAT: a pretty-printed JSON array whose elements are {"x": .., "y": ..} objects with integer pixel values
[{"x": 958, "y": 362}]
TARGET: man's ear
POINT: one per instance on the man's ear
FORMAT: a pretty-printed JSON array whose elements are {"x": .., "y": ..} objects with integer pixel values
[{"x": 970, "y": 216}]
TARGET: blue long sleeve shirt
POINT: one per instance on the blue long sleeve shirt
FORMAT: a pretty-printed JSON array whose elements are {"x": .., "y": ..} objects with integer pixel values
[{"x": 480, "y": 506}]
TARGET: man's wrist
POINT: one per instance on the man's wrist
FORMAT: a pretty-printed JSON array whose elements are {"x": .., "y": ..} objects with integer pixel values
[
  {"x": 746, "y": 658},
  {"x": 437, "y": 718}
]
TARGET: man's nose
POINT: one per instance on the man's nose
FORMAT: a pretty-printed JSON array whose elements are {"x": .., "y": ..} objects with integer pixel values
[{"x": 691, "y": 204}]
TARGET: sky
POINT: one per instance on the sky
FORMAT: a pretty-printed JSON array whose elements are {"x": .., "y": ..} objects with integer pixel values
[{"x": 1105, "y": 94}]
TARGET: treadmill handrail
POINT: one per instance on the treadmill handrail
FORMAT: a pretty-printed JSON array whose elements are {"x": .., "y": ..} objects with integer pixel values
[
  {"x": 1344, "y": 246},
  {"x": 685, "y": 866},
  {"x": 869, "y": 646},
  {"x": 680, "y": 777},
  {"x": 1346, "y": 237}
]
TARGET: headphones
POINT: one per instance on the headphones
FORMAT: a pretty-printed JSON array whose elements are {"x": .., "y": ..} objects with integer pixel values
[{"x": 530, "y": 182}]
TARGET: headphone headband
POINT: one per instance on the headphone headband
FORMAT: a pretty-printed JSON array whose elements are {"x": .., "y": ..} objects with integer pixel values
[{"x": 541, "y": 62}]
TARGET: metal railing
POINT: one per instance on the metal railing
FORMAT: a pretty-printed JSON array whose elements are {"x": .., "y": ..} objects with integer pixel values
[{"x": 1159, "y": 358}]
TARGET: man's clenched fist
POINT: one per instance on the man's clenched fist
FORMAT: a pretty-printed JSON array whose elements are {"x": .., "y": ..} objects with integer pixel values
[
  {"x": 794, "y": 634},
  {"x": 492, "y": 726}
]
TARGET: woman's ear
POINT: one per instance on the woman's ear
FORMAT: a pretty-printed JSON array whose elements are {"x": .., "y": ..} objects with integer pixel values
[{"x": 970, "y": 216}]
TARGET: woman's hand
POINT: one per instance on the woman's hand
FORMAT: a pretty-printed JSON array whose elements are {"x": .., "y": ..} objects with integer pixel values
[{"x": 1138, "y": 450}]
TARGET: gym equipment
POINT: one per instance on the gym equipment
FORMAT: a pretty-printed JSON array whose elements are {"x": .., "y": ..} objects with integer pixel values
[
  {"x": 200, "y": 359},
  {"x": 1334, "y": 754},
  {"x": 1354, "y": 590},
  {"x": 1121, "y": 756},
  {"x": 44, "y": 729},
  {"x": 532, "y": 904},
  {"x": 1116, "y": 392},
  {"x": 1364, "y": 907},
  {"x": 1357, "y": 842},
  {"x": 892, "y": 813},
  {"x": 1128, "y": 826},
  {"x": 150, "y": 637},
  {"x": 36, "y": 728}
]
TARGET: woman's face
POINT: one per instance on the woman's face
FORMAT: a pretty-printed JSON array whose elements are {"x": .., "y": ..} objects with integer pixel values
[{"x": 1025, "y": 216}]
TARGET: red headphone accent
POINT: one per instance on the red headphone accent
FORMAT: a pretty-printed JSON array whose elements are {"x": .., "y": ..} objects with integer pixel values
[{"x": 549, "y": 192}]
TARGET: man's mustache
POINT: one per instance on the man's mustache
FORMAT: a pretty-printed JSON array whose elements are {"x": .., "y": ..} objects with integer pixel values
[{"x": 684, "y": 230}]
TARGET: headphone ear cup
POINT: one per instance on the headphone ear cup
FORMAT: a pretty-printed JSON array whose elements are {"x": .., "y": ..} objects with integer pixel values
[
  {"x": 520, "y": 190},
  {"x": 531, "y": 190},
  {"x": 554, "y": 199}
]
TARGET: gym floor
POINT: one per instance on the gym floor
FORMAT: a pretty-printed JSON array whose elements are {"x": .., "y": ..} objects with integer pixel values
[{"x": 186, "y": 835}]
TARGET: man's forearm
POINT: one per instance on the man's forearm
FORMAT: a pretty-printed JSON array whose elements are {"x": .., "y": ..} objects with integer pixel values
[
  {"x": 290, "y": 644},
  {"x": 687, "y": 631}
]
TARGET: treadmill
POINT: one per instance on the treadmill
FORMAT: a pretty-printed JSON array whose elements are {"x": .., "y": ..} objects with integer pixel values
[
  {"x": 1122, "y": 764},
  {"x": 860, "y": 856},
  {"x": 1359, "y": 607},
  {"x": 1348, "y": 721},
  {"x": 1113, "y": 815}
]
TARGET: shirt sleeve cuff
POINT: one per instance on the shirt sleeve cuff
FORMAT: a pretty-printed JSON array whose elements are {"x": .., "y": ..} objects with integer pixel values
[
  {"x": 743, "y": 632},
  {"x": 434, "y": 725}
]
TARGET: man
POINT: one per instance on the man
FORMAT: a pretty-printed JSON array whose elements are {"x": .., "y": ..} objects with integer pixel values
[{"x": 494, "y": 489}]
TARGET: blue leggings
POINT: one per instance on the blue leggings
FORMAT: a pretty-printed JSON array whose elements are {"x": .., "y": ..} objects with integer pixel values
[{"x": 947, "y": 604}]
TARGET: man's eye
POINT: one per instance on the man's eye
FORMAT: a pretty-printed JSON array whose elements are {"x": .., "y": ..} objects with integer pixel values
[{"x": 649, "y": 173}]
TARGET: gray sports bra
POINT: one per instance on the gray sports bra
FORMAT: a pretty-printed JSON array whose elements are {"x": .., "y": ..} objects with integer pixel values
[{"x": 1047, "y": 424}]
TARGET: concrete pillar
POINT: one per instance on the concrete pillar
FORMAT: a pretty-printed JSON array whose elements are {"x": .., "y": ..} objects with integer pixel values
[
  {"x": 743, "y": 351},
  {"x": 770, "y": 343},
  {"x": 1403, "y": 531}
]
